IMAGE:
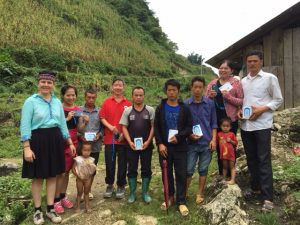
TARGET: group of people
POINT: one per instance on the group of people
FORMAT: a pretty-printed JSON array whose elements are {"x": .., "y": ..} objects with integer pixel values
[{"x": 59, "y": 137}]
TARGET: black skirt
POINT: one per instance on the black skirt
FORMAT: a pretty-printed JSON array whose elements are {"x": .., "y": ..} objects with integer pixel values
[{"x": 48, "y": 147}]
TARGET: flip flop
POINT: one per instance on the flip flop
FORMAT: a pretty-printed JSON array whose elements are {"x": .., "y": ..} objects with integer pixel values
[
  {"x": 183, "y": 210},
  {"x": 267, "y": 206},
  {"x": 163, "y": 205}
]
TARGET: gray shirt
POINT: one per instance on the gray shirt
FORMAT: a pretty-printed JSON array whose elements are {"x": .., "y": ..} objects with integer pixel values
[
  {"x": 94, "y": 125},
  {"x": 261, "y": 90},
  {"x": 138, "y": 123}
]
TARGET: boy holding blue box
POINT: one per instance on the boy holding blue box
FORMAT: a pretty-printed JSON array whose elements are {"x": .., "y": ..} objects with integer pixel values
[{"x": 203, "y": 139}]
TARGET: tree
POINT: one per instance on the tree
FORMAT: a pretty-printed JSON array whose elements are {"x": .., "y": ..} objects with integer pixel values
[{"x": 195, "y": 58}]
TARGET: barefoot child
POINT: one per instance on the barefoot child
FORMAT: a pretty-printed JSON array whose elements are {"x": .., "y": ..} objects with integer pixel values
[
  {"x": 227, "y": 143},
  {"x": 84, "y": 168}
]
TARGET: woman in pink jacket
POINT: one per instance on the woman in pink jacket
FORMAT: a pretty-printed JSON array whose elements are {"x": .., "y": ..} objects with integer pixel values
[{"x": 227, "y": 93}]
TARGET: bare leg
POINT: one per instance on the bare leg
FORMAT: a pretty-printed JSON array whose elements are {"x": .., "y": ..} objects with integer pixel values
[
  {"x": 65, "y": 183},
  {"x": 36, "y": 189},
  {"x": 87, "y": 188},
  {"x": 201, "y": 185},
  {"x": 79, "y": 185},
  {"x": 225, "y": 168},
  {"x": 59, "y": 184},
  {"x": 50, "y": 188},
  {"x": 200, "y": 192},
  {"x": 188, "y": 183},
  {"x": 232, "y": 171}
]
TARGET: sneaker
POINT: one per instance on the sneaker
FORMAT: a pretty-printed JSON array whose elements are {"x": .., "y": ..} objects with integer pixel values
[
  {"x": 38, "y": 217},
  {"x": 52, "y": 215},
  {"x": 120, "y": 192},
  {"x": 58, "y": 208},
  {"x": 109, "y": 191},
  {"x": 65, "y": 202}
]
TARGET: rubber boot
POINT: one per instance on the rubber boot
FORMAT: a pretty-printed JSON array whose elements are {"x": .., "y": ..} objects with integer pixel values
[
  {"x": 132, "y": 188},
  {"x": 145, "y": 188}
]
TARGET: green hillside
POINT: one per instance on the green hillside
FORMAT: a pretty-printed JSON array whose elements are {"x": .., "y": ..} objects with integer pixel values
[{"x": 85, "y": 36}]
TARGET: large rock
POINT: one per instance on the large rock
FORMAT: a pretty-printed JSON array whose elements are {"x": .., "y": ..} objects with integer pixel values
[
  {"x": 225, "y": 209},
  {"x": 120, "y": 222},
  {"x": 7, "y": 168}
]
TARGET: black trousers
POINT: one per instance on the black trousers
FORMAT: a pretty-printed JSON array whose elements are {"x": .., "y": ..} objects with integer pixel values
[
  {"x": 257, "y": 146},
  {"x": 133, "y": 162},
  {"x": 110, "y": 162},
  {"x": 234, "y": 128},
  {"x": 177, "y": 160}
]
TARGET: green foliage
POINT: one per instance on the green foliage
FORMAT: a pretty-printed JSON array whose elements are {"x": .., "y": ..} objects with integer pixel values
[
  {"x": 288, "y": 171},
  {"x": 12, "y": 210},
  {"x": 195, "y": 58},
  {"x": 267, "y": 218},
  {"x": 25, "y": 57}
]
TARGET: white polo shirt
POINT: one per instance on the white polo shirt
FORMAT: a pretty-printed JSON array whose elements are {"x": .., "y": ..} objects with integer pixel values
[{"x": 261, "y": 90}]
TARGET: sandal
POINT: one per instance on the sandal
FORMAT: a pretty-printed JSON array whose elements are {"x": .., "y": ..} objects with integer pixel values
[
  {"x": 183, "y": 210},
  {"x": 199, "y": 199},
  {"x": 268, "y": 206},
  {"x": 163, "y": 205}
]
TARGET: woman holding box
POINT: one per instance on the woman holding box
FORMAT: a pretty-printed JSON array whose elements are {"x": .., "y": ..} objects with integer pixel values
[{"x": 227, "y": 93}]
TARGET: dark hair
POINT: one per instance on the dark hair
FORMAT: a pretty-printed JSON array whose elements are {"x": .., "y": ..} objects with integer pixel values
[
  {"x": 117, "y": 79},
  {"x": 225, "y": 119},
  {"x": 136, "y": 88},
  {"x": 257, "y": 53},
  {"x": 172, "y": 82},
  {"x": 229, "y": 63},
  {"x": 88, "y": 143},
  {"x": 92, "y": 89},
  {"x": 198, "y": 78},
  {"x": 66, "y": 87}
]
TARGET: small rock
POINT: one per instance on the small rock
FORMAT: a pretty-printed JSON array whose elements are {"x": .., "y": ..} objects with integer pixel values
[
  {"x": 104, "y": 214},
  {"x": 298, "y": 212},
  {"x": 285, "y": 188},
  {"x": 276, "y": 126},
  {"x": 145, "y": 220},
  {"x": 120, "y": 222}
]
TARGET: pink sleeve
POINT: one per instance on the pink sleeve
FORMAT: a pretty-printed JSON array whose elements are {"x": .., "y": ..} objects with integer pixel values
[
  {"x": 236, "y": 95},
  {"x": 208, "y": 88}
]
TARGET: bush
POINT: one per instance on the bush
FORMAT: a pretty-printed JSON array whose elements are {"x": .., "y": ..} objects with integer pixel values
[
  {"x": 49, "y": 60},
  {"x": 25, "y": 57},
  {"x": 11, "y": 188}
]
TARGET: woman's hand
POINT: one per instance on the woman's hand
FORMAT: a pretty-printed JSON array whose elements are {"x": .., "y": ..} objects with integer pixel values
[
  {"x": 212, "y": 93},
  {"x": 70, "y": 115},
  {"x": 29, "y": 155},
  {"x": 73, "y": 150}
]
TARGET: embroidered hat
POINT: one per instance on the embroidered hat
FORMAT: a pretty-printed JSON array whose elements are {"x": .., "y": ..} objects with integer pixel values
[{"x": 46, "y": 75}]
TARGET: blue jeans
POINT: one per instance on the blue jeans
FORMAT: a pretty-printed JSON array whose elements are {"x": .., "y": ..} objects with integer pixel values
[{"x": 195, "y": 152}]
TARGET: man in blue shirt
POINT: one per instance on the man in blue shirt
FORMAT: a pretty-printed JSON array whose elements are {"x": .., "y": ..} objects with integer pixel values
[
  {"x": 172, "y": 126},
  {"x": 200, "y": 147}
]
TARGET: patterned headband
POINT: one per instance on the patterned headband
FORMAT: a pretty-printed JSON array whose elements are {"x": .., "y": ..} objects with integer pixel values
[{"x": 46, "y": 76}]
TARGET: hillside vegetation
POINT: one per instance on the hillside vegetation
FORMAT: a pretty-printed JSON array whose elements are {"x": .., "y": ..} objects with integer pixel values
[{"x": 86, "y": 36}]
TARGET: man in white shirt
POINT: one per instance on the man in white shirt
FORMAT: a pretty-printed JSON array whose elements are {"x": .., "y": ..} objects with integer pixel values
[{"x": 261, "y": 92}]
